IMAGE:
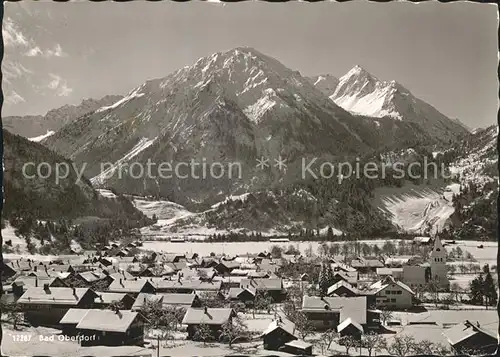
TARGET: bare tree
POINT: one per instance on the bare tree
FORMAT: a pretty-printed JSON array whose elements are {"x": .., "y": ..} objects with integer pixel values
[
  {"x": 303, "y": 325},
  {"x": 233, "y": 330},
  {"x": 401, "y": 346},
  {"x": 372, "y": 342},
  {"x": 203, "y": 333},
  {"x": 348, "y": 342},
  {"x": 385, "y": 315},
  {"x": 424, "y": 347}
]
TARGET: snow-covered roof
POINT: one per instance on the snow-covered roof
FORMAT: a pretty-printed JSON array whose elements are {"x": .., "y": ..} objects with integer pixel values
[
  {"x": 382, "y": 284},
  {"x": 348, "y": 322}
]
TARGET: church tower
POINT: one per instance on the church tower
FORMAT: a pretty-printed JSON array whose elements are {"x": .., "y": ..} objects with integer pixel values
[{"x": 439, "y": 271}]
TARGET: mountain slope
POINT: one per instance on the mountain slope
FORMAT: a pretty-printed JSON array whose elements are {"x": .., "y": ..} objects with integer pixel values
[
  {"x": 33, "y": 126},
  {"x": 464, "y": 206},
  {"x": 361, "y": 93},
  {"x": 232, "y": 106},
  {"x": 325, "y": 83},
  {"x": 48, "y": 198}
]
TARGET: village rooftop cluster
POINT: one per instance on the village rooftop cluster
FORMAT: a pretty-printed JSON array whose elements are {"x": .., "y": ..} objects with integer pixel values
[{"x": 310, "y": 304}]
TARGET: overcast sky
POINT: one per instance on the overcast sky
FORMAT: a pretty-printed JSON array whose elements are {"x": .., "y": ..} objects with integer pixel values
[{"x": 446, "y": 54}]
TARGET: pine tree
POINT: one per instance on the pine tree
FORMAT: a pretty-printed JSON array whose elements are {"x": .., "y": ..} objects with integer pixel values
[
  {"x": 476, "y": 289},
  {"x": 326, "y": 278},
  {"x": 329, "y": 234},
  {"x": 489, "y": 290}
]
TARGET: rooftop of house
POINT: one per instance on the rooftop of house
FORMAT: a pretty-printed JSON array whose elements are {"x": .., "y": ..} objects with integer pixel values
[
  {"x": 366, "y": 263},
  {"x": 353, "y": 307},
  {"x": 207, "y": 316},
  {"x": 463, "y": 331},
  {"x": 58, "y": 296},
  {"x": 388, "y": 281},
  {"x": 197, "y": 285},
  {"x": 234, "y": 293},
  {"x": 33, "y": 281},
  {"x": 125, "y": 285},
  {"x": 73, "y": 316},
  {"x": 262, "y": 284},
  {"x": 108, "y": 298},
  {"x": 342, "y": 283},
  {"x": 281, "y": 323},
  {"x": 349, "y": 322},
  {"x": 300, "y": 344},
  {"x": 179, "y": 300},
  {"x": 107, "y": 320}
]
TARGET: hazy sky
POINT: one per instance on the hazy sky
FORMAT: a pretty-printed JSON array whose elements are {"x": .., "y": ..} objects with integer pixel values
[{"x": 446, "y": 54}]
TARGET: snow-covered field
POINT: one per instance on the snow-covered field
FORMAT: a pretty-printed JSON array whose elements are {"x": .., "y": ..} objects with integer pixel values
[
  {"x": 487, "y": 255},
  {"x": 164, "y": 210},
  {"x": 175, "y": 221}
]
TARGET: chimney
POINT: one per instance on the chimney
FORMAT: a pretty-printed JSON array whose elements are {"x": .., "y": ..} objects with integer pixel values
[
  {"x": 206, "y": 310},
  {"x": 35, "y": 268},
  {"x": 100, "y": 297},
  {"x": 74, "y": 291},
  {"x": 121, "y": 282},
  {"x": 36, "y": 281},
  {"x": 46, "y": 288}
]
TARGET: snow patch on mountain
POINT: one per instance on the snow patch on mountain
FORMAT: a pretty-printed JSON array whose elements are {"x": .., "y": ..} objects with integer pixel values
[
  {"x": 242, "y": 197},
  {"x": 143, "y": 144},
  {"x": 415, "y": 209},
  {"x": 41, "y": 137},
  {"x": 134, "y": 94},
  {"x": 259, "y": 108}
]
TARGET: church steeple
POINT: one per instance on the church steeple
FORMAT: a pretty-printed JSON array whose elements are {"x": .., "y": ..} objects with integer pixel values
[
  {"x": 439, "y": 270},
  {"x": 438, "y": 254}
]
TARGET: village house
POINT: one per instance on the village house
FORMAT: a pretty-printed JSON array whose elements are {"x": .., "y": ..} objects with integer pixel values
[
  {"x": 167, "y": 300},
  {"x": 224, "y": 267},
  {"x": 213, "y": 318},
  {"x": 131, "y": 287},
  {"x": 273, "y": 287},
  {"x": 69, "y": 321},
  {"x": 156, "y": 271},
  {"x": 343, "y": 288},
  {"x": 111, "y": 328},
  {"x": 328, "y": 312},
  {"x": 186, "y": 286},
  {"x": 417, "y": 275},
  {"x": 298, "y": 348},
  {"x": 45, "y": 306},
  {"x": 392, "y": 294},
  {"x": 350, "y": 277},
  {"x": 471, "y": 338},
  {"x": 105, "y": 299},
  {"x": 422, "y": 240},
  {"x": 278, "y": 333},
  {"x": 365, "y": 266},
  {"x": 246, "y": 295},
  {"x": 351, "y": 328}
]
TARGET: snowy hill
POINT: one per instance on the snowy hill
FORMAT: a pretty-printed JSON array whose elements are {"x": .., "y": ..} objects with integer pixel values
[
  {"x": 418, "y": 209},
  {"x": 466, "y": 206}
]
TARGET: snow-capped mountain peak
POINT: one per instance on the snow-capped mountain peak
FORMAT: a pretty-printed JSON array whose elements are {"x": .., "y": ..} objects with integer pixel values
[{"x": 361, "y": 93}]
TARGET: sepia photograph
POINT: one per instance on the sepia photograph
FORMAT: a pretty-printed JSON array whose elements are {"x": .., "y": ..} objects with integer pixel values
[{"x": 249, "y": 179}]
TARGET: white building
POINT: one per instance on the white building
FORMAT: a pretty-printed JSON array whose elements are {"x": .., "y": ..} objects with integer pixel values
[
  {"x": 392, "y": 294},
  {"x": 439, "y": 270}
]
